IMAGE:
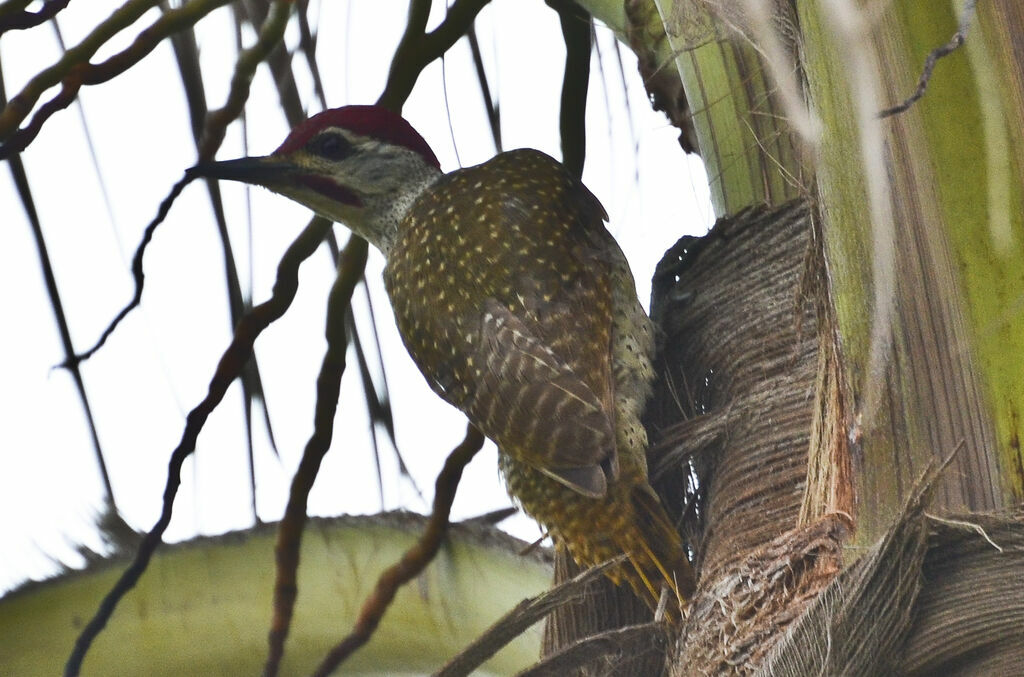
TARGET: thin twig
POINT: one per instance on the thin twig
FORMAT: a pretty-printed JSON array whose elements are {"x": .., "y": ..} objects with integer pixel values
[
  {"x": 386, "y": 415},
  {"x": 492, "y": 108},
  {"x": 516, "y": 621},
  {"x": 20, "y": 20},
  {"x": 216, "y": 123},
  {"x": 954, "y": 43},
  {"x": 73, "y": 70},
  {"x": 491, "y": 517},
  {"x": 230, "y": 366},
  {"x": 186, "y": 51},
  {"x": 21, "y": 182},
  {"x": 415, "y": 559},
  {"x": 636, "y": 640},
  {"x": 370, "y": 396},
  {"x": 328, "y": 386},
  {"x": 138, "y": 274},
  {"x": 977, "y": 528}
]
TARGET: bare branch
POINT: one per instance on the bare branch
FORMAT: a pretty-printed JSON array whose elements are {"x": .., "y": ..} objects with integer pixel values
[
  {"x": 20, "y": 20},
  {"x": 516, "y": 621},
  {"x": 413, "y": 561},
  {"x": 74, "y": 70},
  {"x": 417, "y": 49},
  {"x": 216, "y": 124},
  {"x": 138, "y": 275},
  {"x": 603, "y": 649},
  {"x": 929, "y": 63},
  {"x": 328, "y": 386},
  {"x": 231, "y": 364}
]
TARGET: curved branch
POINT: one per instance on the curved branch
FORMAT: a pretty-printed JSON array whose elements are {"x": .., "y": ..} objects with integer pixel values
[
  {"x": 271, "y": 34},
  {"x": 328, "y": 385},
  {"x": 519, "y": 619},
  {"x": 417, "y": 49},
  {"x": 954, "y": 44},
  {"x": 20, "y": 20},
  {"x": 216, "y": 124},
  {"x": 415, "y": 558},
  {"x": 231, "y": 364},
  {"x": 73, "y": 70},
  {"x": 138, "y": 275},
  {"x": 21, "y": 105}
]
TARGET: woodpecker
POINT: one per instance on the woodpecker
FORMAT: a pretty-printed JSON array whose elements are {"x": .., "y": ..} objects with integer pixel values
[{"x": 519, "y": 309}]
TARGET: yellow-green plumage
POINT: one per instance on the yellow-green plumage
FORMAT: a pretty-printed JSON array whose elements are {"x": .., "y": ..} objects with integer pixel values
[{"x": 520, "y": 239}]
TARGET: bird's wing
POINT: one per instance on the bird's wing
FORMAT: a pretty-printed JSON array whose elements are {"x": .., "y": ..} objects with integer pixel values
[
  {"x": 536, "y": 408},
  {"x": 564, "y": 255},
  {"x": 506, "y": 305}
]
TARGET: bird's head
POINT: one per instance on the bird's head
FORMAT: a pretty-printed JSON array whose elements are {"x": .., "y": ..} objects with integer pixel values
[{"x": 362, "y": 166}]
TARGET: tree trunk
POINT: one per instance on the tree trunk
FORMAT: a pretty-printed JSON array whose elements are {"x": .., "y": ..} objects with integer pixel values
[{"x": 842, "y": 375}]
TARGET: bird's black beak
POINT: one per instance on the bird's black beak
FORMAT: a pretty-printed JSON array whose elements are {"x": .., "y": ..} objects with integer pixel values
[{"x": 267, "y": 170}]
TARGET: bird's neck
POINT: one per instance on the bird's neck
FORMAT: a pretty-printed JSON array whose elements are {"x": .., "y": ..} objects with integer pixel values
[{"x": 385, "y": 213}]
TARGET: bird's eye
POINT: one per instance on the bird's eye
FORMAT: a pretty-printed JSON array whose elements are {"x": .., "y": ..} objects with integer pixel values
[{"x": 331, "y": 146}]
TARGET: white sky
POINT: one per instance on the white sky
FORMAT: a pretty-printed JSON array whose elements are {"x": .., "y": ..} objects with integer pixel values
[{"x": 157, "y": 365}]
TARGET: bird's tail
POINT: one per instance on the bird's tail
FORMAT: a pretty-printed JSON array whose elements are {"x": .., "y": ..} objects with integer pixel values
[
  {"x": 656, "y": 557},
  {"x": 629, "y": 520}
]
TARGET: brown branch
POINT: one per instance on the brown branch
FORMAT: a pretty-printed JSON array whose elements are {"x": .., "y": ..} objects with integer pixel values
[
  {"x": 929, "y": 64},
  {"x": 415, "y": 559},
  {"x": 138, "y": 275},
  {"x": 216, "y": 124},
  {"x": 238, "y": 352},
  {"x": 576, "y": 32},
  {"x": 20, "y": 20},
  {"x": 602, "y": 649},
  {"x": 271, "y": 34},
  {"x": 519, "y": 619},
  {"x": 417, "y": 49},
  {"x": 21, "y": 138},
  {"x": 328, "y": 385},
  {"x": 186, "y": 52},
  {"x": 231, "y": 364},
  {"x": 20, "y": 177},
  {"x": 74, "y": 70}
]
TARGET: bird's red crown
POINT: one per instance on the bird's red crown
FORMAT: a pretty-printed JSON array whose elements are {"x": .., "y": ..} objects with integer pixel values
[{"x": 372, "y": 121}]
